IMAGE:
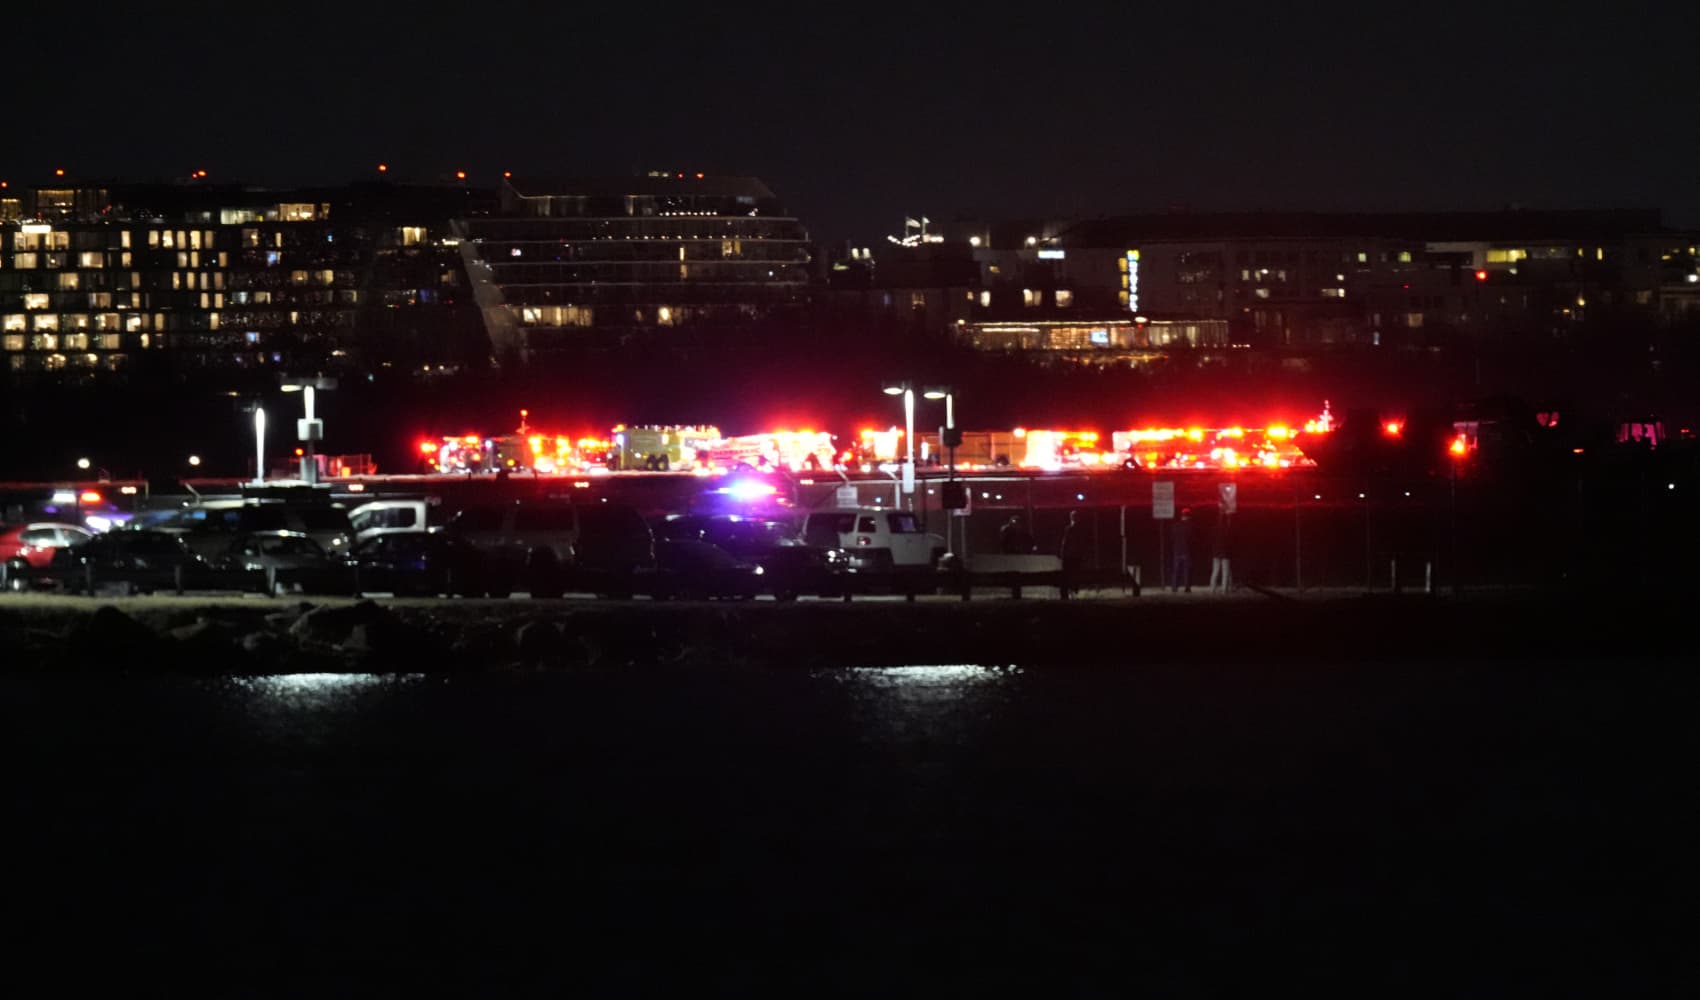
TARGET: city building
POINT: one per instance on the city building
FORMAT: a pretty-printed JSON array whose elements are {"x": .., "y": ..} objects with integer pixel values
[
  {"x": 177, "y": 278},
  {"x": 569, "y": 264},
  {"x": 1132, "y": 289}
]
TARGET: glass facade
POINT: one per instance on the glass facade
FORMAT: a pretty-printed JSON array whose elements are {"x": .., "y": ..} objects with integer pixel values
[
  {"x": 219, "y": 278},
  {"x": 565, "y": 261}
]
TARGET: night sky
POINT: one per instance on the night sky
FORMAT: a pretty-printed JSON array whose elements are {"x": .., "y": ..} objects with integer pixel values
[{"x": 858, "y": 114}]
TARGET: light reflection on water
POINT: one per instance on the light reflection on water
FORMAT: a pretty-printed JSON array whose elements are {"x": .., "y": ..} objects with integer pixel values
[
  {"x": 318, "y": 690},
  {"x": 930, "y": 702}
]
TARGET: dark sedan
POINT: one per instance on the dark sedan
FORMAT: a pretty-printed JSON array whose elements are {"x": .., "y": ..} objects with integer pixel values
[
  {"x": 701, "y": 571},
  {"x": 420, "y": 563},
  {"x": 788, "y": 567},
  {"x": 130, "y": 562},
  {"x": 277, "y": 561}
]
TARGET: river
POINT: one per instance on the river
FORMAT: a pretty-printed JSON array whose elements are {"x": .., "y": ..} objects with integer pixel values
[{"x": 948, "y": 828}]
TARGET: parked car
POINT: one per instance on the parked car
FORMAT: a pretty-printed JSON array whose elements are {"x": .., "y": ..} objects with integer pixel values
[
  {"x": 277, "y": 561},
  {"x": 873, "y": 539},
  {"x": 422, "y": 563},
  {"x": 30, "y": 546},
  {"x": 130, "y": 561},
  {"x": 789, "y": 567},
  {"x": 382, "y": 517},
  {"x": 699, "y": 570},
  {"x": 546, "y": 546},
  {"x": 209, "y": 526}
]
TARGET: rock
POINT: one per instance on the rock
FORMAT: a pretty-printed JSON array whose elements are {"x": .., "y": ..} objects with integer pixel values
[
  {"x": 333, "y": 625},
  {"x": 389, "y": 639},
  {"x": 538, "y": 640},
  {"x": 264, "y": 644},
  {"x": 110, "y": 631},
  {"x": 288, "y": 617}
]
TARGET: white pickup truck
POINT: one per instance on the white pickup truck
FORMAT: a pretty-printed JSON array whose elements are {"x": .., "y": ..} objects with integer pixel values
[{"x": 874, "y": 539}]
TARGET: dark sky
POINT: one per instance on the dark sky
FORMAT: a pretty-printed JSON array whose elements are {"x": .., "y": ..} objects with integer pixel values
[{"x": 858, "y": 114}]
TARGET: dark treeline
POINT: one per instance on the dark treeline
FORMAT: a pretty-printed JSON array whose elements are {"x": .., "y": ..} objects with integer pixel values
[{"x": 827, "y": 371}]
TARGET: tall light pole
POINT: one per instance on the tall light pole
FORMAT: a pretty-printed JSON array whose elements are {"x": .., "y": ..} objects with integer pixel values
[
  {"x": 259, "y": 445},
  {"x": 907, "y": 391},
  {"x": 948, "y": 438},
  {"x": 311, "y": 430}
]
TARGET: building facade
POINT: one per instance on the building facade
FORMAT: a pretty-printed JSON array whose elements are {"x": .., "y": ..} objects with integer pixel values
[
  {"x": 563, "y": 265},
  {"x": 194, "y": 277}
]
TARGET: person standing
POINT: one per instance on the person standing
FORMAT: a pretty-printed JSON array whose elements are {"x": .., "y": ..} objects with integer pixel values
[
  {"x": 1073, "y": 552},
  {"x": 1180, "y": 535},
  {"x": 1221, "y": 554},
  {"x": 1015, "y": 538}
]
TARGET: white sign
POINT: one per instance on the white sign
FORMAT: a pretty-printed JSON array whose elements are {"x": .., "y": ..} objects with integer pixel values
[
  {"x": 908, "y": 477},
  {"x": 1228, "y": 496},
  {"x": 847, "y": 496},
  {"x": 1163, "y": 501}
]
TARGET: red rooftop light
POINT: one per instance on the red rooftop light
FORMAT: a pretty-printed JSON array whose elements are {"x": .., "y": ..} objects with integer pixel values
[{"x": 1481, "y": 275}]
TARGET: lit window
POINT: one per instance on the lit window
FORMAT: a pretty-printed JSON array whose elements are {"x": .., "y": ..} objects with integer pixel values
[
  {"x": 1029, "y": 297},
  {"x": 166, "y": 240},
  {"x": 298, "y": 277},
  {"x": 35, "y": 300},
  {"x": 1262, "y": 293},
  {"x": 326, "y": 277},
  {"x": 1065, "y": 298},
  {"x": 70, "y": 281},
  {"x": 12, "y": 321},
  {"x": 1363, "y": 257},
  {"x": 93, "y": 258},
  {"x": 1414, "y": 320},
  {"x": 985, "y": 299},
  {"x": 14, "y": 341},
  {"x": 26, "y": 261},
  {"x": 1404, "y": 256},
  {"x": 918, "y": 300},
  {"x": 108, "y": 341},
  {"x": 124, "y": 240},
  {"x": 153, "y": 238},
  {"x": 75, "y": 341}
]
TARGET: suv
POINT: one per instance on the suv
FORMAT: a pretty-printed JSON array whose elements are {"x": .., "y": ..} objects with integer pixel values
[
  {"x": 547, "y": 544},
  {"x": 874, "y": 539},
  {"x": 384, "y": 517},
  {"x": 210, "y": 526}
]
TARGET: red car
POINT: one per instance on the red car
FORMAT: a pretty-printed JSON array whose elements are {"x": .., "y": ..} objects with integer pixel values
[{"x": 34, "y": 542}]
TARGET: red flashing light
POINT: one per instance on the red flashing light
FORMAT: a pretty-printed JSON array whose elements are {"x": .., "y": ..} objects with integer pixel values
[
  {"x": 1481, "y": 275},
  {"x": 299, "y": 453},
  {"x": 1458, "y": 447},
  {"x": 699, "y": 175},
  {"x": 89, "y": 496},
  {"x": 507, "y": 173},
  {"x": 1392, "y": 428},
  {"x": 1405, "y": 287},
  {"x": 428, "y": 447},
  {"x": 59, "y": 172},
  {"x": 383, "y": 168},
  {"x": 460, "y": 175}
]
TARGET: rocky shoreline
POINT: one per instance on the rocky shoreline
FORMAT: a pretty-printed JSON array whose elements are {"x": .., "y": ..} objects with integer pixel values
[{"x": 215, "y": 638}]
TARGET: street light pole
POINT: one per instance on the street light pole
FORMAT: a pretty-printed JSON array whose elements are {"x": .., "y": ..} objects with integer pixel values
[
  {"x": 259, "y": 445},
  {"x": 909, "y": 439}
]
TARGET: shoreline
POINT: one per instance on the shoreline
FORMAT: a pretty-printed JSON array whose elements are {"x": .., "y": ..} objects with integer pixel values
[{"x": 234, "y": 636}]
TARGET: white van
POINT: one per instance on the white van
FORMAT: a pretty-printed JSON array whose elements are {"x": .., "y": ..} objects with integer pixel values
[
  {"x": 386, "y": 517},
  {"x": 873, "y": 539}
]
